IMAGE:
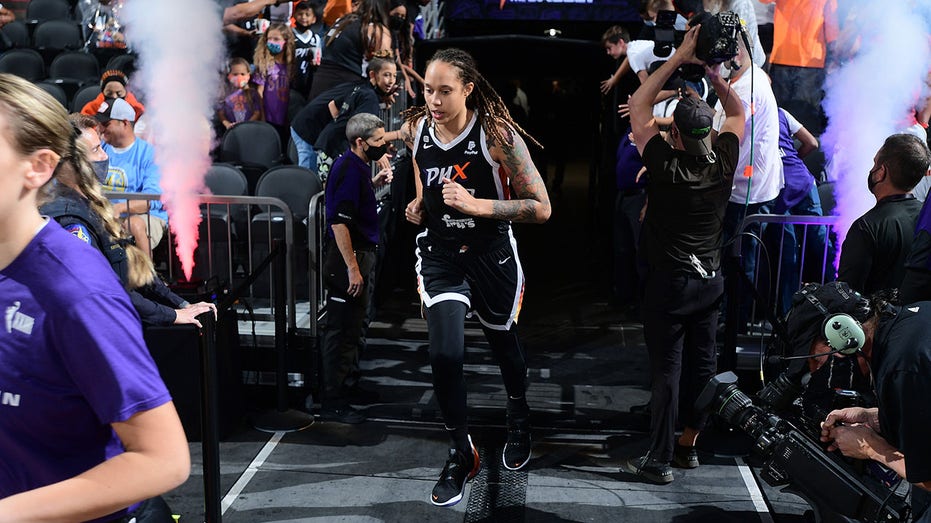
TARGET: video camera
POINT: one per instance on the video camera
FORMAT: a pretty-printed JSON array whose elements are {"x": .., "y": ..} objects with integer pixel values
[
  {"x": 794, "y": 457},
  {"x": 716, "y": 44}
]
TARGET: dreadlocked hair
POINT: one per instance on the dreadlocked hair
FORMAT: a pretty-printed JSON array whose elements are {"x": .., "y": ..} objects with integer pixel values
[
  {"x": 490, "y": 109},
  {"x": 79, "y": 173}
]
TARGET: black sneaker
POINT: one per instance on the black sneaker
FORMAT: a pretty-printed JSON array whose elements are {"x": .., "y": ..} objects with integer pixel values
[
  {"x": 645, "y": 467},
  {"x": 516, "y": 452},
  {"x": 458, "y": 471},
  {"x": 685, "y": 457}
]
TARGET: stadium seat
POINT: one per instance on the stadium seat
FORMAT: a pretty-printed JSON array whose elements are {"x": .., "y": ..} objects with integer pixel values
[
  {"x": 252, "y": 146},
  {"x": 83, "y": 96},
  {"x": 55, "y": 90},
  {"x": 123, "y": 62},
  {"x": 54, "y": 36},
  {"x": 227, "y": 180},
  {"x": 292, "y": 152},
  {"x": 25, "y": 63},
  {"x": 75, "y": 65},
  {"x": 17, "y": 34},
  {"x": 39, "y": 11},
  {"x": 295, "y": 186}
]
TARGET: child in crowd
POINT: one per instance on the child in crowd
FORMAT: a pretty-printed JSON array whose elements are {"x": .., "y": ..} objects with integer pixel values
[
  {"x": 242, "y": 102},
  {"x": 113, "y": 85},
  {"x": 308, "y": 47},
  {"x": 274, "y": 58}
]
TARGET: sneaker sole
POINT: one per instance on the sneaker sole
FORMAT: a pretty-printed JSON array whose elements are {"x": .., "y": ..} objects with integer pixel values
[
  {"x": 627, "y": 466},
  {"x": 505, "y": 463},
  {"x": 458, "y": 497}
]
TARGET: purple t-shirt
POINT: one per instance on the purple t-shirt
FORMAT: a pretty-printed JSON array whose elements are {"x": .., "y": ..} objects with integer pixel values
[
  {"x": 72, "y": 361},
  {"x": 277, "y": 93},
  {"x": 240, "y": 105},
  {"x": 798, "y": 179}
]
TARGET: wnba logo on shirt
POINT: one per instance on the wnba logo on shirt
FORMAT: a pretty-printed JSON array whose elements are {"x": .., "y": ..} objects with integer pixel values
[
  {"x": 18, "y": 321},
  {"x": 435, "y": 175}
]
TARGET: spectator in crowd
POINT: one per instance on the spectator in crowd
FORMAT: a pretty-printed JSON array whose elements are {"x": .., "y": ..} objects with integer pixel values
[
  {"x": 889, "y": 343},
  {"x": 799, "y": 197},
  {"x": 803, "y": 33},
  {"x": 332, "y": 109},
  {"x": 467, "y": 256},
  {"x": 78, "y": 205},
  {"x": 355, "y": 38},
  {"x": 7, "y": 15},
  {"x": 242, "y": 102},
  {"x": 308, "y": 47},
  {"x": 756, "y": 184},
  {"x": 916, "y": 283},
  {"x": 238, "y": 10},
  {"x": 878, "y": 243},
  {"x": 106, "y": 436},
  {"x": 113, "y": 85},
  {"x": 614, "y": 40},
  {"x": 628, "y": 204},
  {"x": 274, "y": 66},
  {"x": 336, "y": 9},
  {"x": 102, "y": 28},
  {"x": 690, "y": 181},
  {"x": 350, "y": 259},
  {"x": 132, "y": 169}
]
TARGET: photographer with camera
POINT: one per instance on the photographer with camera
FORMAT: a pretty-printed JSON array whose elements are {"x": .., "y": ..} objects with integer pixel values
[
  {"x": 690, "y": 182},
  {"x": 892, "y": 344}
]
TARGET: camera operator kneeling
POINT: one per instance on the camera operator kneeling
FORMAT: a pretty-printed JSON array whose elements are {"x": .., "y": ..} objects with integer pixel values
[
  {"x": 892, "y": 343},
  {"x": 690, "y": 183}
]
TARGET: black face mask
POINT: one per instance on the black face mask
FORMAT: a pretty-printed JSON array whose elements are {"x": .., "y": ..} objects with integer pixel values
[
  {"x": 396, "y": 23},
  {"x": 101, "y": 168},
  {"x": 301, "y": 28},
  {"x": 374, "y": 153}
]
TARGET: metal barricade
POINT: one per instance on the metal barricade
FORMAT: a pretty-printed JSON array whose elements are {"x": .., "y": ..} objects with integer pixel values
[
  {"x": 222, "y": 217},
  {"x": 777, "y": 274}
]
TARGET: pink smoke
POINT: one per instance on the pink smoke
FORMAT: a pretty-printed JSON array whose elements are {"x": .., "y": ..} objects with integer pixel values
[
  {"x": 870, "y": 96},
  {"x": 180, "y": 47}
]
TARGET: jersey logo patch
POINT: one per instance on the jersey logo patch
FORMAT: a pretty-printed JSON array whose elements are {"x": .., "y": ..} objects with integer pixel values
[
  {"x": 79, "y": 231},
  {"x": 18, "y": 321},
  {"x": 435, "y": 175}
]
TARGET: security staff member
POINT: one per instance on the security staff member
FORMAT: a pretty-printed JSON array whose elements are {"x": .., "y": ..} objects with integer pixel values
[
  {"x": 352, "y": 229},
  {"x": 690, "y": 183}
]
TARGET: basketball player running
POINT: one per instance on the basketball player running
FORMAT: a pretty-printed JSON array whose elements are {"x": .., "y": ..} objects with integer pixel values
[{"x": 474, "y": 177}]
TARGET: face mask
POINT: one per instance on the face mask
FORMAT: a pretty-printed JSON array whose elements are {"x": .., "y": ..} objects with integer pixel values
[
  {"x": 274, "y": 47},
  {"x": 301, "y": 28},
  {"x": 870, "y": 183},
  {"x": 239, "y": 81},
  {"x": 374, "y": 153},
  {"x": 396, "y": 22},
  {"x": 101, "y": 168}
]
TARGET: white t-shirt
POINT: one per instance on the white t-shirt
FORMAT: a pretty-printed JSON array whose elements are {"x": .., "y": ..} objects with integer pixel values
[
  {"x": 767, "y": 164},
  {"x": 640, "y": 55}
]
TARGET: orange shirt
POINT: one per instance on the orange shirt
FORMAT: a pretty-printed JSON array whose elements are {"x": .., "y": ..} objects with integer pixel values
[
  {"x": 802, "y": 30},
  {"x": 334, "y": 9}
]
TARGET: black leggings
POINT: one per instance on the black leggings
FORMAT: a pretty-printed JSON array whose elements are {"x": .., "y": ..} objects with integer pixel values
[{"x": 446, "y": 324}]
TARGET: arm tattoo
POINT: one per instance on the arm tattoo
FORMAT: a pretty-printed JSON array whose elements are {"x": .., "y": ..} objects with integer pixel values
[{"x": 532, "y": 204}]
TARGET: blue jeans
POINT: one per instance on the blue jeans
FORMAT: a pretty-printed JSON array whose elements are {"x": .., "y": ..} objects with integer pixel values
[
  {"x": 791, "y": 271},
  {"x": 306, "y": 155}
]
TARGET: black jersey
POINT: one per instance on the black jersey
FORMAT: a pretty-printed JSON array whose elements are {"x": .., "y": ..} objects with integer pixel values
[{"x": 466, "y": 161}]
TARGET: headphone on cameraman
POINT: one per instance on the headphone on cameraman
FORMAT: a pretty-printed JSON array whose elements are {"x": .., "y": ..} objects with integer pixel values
[{"x": 844, "y": 334}]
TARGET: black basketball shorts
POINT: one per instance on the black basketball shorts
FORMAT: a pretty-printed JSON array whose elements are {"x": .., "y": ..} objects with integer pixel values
[{"x": 490, "y": 282}]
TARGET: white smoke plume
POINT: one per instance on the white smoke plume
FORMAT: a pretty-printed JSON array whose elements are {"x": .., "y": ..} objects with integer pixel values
[
  {"x": 180, "y": 47},
  {"x": 872, "y": 95}
]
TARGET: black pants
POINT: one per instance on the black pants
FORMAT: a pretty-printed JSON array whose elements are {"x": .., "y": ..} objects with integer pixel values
[
  {"x": 345, "y": 321},
  {"x": 680, "y": 316}
]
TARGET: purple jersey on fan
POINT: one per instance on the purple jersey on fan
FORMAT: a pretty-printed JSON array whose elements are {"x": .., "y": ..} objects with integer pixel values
[{"x": 72, "y": 361}]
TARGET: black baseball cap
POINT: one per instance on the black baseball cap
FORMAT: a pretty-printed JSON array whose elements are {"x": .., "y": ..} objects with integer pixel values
[{"x": 694, "y": 119}]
